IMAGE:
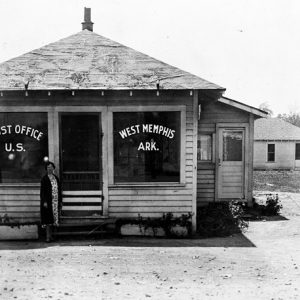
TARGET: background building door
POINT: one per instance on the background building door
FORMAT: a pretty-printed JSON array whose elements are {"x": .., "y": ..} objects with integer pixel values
[{"x": 231, "y": 163}]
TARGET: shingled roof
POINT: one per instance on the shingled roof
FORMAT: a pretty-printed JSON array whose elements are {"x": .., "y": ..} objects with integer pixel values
[
  {"x": 275, "y": 129},
  {"x": 87, "y": 60}
]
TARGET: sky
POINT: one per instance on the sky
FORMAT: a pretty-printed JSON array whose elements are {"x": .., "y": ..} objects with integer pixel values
[{"x": 249, "y": 47}]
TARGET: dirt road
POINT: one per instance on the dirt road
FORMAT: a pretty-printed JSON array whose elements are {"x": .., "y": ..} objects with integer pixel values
[{"x": 264, "y": 263}]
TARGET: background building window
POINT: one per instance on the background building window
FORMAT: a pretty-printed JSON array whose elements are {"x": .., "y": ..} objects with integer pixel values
[
  {"x": 204, "y": 148},
  {"x": 271, "y": 152},
  {"x": 146, "y": 146},
  {"x": 23, "y": 146},
  {"x": 297, "y": 151}
]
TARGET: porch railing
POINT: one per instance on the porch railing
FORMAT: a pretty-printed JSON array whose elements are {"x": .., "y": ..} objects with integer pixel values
[{"x": 82, "y": 181}]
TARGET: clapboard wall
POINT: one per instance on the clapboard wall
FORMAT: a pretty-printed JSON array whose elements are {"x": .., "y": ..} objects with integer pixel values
[
  {"x": 20, "y": 204},
  {"x": 211, "y": 114}
]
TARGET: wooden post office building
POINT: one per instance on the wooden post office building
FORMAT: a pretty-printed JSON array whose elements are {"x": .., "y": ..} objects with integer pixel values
[{"x": 128, "y": 134}]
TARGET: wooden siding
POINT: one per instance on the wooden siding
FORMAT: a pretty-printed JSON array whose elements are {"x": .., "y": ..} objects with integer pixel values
[
  {"x": 284, "y": 155},
  {"x": 19, "y": 204},
  {"x": 206, "y": 182},
  {"x": 154, "y": 201},
  {"x": 211, "y": 114}
]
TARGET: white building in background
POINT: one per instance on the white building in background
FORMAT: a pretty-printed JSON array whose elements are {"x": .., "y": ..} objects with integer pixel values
[{"x": 276, "y": 144}]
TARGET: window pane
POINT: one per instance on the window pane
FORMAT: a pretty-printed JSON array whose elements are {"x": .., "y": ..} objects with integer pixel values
[
  {"x": 297, "y": 151},
  {"x": 271, "y": 148},
  {"x": 271, "y": 156},
  {"x": 232, "y": 145},
  {"x": 24, "y": 144},
  {"x": 204, "y": 148},
  {"x": 271, "y": 152},
  {"x": 147, "y": 147}
]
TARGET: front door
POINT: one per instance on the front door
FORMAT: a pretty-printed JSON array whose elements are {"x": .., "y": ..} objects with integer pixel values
[
  {"x": 80, "y": 164},
  {"x": 231, "y": 163}
]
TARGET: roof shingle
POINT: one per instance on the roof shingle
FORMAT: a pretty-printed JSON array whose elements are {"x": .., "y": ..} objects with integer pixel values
[
  {"x": 87, "y": 60},
  {"x": 275, "y": 129}
]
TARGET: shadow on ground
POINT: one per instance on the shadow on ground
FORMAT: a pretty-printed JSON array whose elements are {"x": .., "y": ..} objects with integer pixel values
[
  {"x": 260, "y": 218},
  {"x": 236, "y": 240}
]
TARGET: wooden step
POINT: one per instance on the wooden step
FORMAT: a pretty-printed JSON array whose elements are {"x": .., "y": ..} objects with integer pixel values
[
  {"x": 84, "y": 219},
  {"x": 85, "y": 227},
  {"x": 81, "y": 233}
]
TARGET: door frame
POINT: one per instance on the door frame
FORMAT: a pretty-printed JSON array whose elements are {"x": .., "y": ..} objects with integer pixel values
[
  {"x": 100, "y": 133},
  {"x": 102, "y": 110},
  {"x": 234, "y": 126}
]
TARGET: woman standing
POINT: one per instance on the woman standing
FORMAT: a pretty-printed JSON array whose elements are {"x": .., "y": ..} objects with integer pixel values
[{"x": 50, "y": 194}]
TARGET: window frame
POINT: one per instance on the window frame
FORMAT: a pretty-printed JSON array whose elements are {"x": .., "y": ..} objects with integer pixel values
[
  {"x": 32, "y": 109},
  {"x": 149, "y": 108},
  {"x": 271, "y": 161},
  {"x": 297, "y": 144}
]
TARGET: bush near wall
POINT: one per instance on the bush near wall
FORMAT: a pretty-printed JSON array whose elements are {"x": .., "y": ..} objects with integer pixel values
[
  {"x": 168, "y": 225},
  {"x": 267, "y": 205},
  {"x": 221, "y": 219}
]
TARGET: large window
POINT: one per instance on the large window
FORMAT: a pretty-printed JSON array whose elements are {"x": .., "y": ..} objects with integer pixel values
[
  {"x": 23, "y": 147},
  {"x": 146, "y": 146},
  {"x": 271, "y": 152},
  {"x": 297, "y": 151}
]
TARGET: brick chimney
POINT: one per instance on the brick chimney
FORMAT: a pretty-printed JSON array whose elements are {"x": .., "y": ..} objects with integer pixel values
[{"x": 87, "y": 24}]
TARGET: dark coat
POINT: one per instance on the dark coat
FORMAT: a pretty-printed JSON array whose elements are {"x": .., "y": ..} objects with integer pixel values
[{"x": 46, "y": 197}]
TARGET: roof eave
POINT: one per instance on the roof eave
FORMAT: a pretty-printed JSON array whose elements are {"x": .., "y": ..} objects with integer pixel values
[{"x": 250, "y": 109}]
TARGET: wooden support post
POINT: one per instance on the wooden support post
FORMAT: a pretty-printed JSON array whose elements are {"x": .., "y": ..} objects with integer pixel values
[
  {"x": 105, "y": 159},
  {"x": 250, "y": 166},
  {"x": 195, "y": 137}
]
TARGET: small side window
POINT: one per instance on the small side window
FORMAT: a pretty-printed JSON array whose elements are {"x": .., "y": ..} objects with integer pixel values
[
  {"x": 204, "y": 147},
  {"x": 271, "y": 152}
]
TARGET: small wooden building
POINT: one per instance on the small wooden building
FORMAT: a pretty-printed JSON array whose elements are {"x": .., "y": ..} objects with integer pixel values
[
  {"x": 276, "y": 145},
  {"x": 129, "y": 134}
]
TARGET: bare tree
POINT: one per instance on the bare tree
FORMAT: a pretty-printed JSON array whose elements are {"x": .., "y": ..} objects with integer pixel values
[
  {"x": 265, "y": 106},
  {"x": 293, "y": 118}
]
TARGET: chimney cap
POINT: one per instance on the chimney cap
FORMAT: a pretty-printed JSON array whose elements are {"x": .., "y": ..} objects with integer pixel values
[{"x": 87, "y": 24}]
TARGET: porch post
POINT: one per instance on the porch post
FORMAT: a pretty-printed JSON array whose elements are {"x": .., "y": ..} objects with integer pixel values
[
  {"x": 105, "y": 161},
  {"x": 195, "y": 137},
  {"x": 250, "y": 162}
]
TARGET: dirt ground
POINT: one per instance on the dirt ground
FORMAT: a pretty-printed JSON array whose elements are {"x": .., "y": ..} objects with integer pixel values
[
  {"x": 263, "y": 263},
  {"x": 277, "y": 180}
]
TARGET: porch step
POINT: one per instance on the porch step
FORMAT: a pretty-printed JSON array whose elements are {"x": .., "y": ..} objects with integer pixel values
[
  {"x": 79, "y": 233},
  {"x": 83, "y": 219},
  {"x": 82, "y": 203},
  {"x": 85, "y": 227}
]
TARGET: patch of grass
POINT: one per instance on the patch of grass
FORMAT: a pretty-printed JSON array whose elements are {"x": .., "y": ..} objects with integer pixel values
[{"x": 276, "y": 181}]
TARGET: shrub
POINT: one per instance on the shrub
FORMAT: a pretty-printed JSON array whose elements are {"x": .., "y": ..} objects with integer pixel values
[
  {"x": 269, "y": 206},
  {"x": 273, "y": 205},
  {"x": 167, "y": 222},
  {"x": 221, "y": 219}
]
